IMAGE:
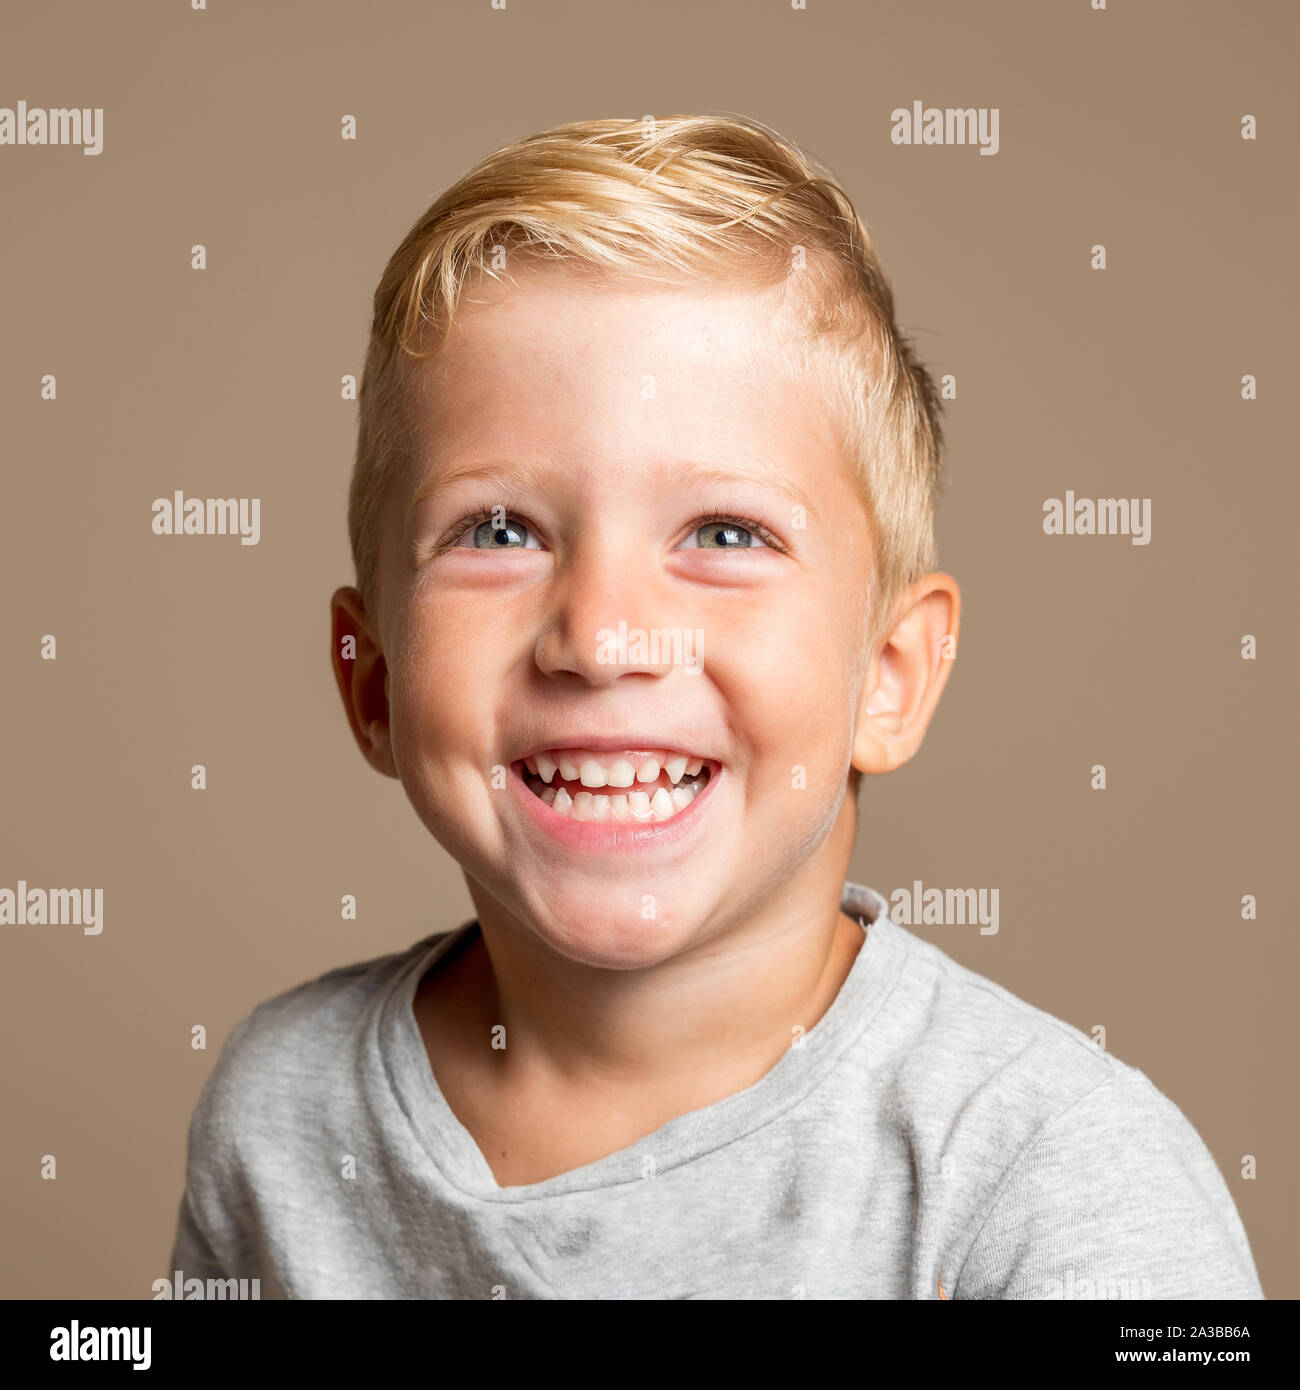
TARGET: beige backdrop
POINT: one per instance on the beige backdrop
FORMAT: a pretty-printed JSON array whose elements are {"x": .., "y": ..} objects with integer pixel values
[{"x": 1120, "y": 908}]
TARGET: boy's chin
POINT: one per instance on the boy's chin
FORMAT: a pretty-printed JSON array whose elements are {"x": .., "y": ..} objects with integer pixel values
[{"x": 617, "y": 928}]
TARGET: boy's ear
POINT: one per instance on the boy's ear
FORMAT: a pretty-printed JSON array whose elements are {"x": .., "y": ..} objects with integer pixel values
[
  {"x": 362, "y": 676},
  {"x": 906, "y": 676}
]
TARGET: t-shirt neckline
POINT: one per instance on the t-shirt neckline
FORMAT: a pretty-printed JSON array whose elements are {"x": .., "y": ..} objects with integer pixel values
[{"x": 457, "y": 1157}]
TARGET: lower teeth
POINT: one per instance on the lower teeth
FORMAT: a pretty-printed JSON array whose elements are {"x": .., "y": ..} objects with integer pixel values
[{"x": 631, "y": 807}]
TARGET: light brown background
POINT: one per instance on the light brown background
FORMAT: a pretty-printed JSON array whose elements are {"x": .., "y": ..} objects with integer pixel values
[{"x": 1119, "y": 908}]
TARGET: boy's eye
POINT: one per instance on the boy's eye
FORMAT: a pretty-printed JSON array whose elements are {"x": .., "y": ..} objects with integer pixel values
[
  {"x": 722, "y": 535},
  {"x": 509, "y": 535}
]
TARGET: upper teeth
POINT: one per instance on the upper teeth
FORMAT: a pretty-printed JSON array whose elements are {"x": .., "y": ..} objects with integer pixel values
[{"x": 612, "y": 769}]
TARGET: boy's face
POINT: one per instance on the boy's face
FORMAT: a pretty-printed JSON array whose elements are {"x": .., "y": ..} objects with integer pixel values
[{"x": 613, "y": 425}]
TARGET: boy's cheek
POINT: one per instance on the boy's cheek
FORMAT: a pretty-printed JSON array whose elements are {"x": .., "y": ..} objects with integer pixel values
[
  {"x": 442, "y": 701},
  {"x": 442, "y": 642},
  {"x": 795, "y": 668},
  {"x": 796, "y": 738}
]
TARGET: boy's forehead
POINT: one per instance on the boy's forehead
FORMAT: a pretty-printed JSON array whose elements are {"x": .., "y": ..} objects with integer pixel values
[
  {"x": 558, "y": 322},
  {"x": 691, "y": 379}
]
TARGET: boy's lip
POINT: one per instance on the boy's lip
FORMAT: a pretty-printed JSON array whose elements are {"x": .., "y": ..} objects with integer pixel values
[{"x": 611, "y": 837}]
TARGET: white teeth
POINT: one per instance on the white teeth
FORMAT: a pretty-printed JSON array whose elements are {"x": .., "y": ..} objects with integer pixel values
[
  {"x": 622, "y": 774},
  {"x": 637, "y": 805},
  {"x": 648, "y": 802},
  {"x": 591, "y": 774}
]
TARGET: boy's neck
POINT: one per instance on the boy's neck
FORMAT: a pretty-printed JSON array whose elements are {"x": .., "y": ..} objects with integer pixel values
[{"x": 728, "y": 1008}]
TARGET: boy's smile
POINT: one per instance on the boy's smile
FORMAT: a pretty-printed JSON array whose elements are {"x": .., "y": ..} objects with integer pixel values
[{"x": 614, "y": 800}]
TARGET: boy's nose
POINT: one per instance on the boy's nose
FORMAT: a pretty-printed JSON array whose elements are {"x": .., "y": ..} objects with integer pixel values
[{"x": 602, "y": 624}]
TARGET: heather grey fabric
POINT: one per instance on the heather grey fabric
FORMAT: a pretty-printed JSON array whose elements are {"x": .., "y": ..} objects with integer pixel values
[{"x": 930, "y": 1127}]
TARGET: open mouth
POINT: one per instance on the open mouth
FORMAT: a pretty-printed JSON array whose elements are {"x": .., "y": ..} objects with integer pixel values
[{"x": 642, "y": 786}]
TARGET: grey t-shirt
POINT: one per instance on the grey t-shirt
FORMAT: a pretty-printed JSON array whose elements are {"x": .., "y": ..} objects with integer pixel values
[{"x": 931, "y": 1127}]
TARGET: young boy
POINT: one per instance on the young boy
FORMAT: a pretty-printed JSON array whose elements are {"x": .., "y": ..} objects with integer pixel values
[{"x": 642, "y": 521}]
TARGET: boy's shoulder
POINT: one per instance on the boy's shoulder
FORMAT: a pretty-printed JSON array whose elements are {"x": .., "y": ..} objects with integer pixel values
[
  {"x": 1053, "y": 1166},
  {"x": 301, "y": 1044},
  {"x": 978, "y": 1026},
  {"x": 969, "y": 1055}
]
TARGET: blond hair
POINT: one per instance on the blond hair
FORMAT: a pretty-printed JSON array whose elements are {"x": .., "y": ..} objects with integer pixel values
[{"x": 668, "y": 198}]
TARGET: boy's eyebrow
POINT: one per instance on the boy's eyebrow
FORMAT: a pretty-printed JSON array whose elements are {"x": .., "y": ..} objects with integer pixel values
[
  {"x": 510, "y": 474},
  {"x": 535, "y": 472},
  {"x": 688, "y": 474}
]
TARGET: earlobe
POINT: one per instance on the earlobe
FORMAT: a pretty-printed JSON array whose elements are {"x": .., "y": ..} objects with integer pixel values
[
  {"x": 380, "y": 753},
  {"x": 875, "y": 742}
]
